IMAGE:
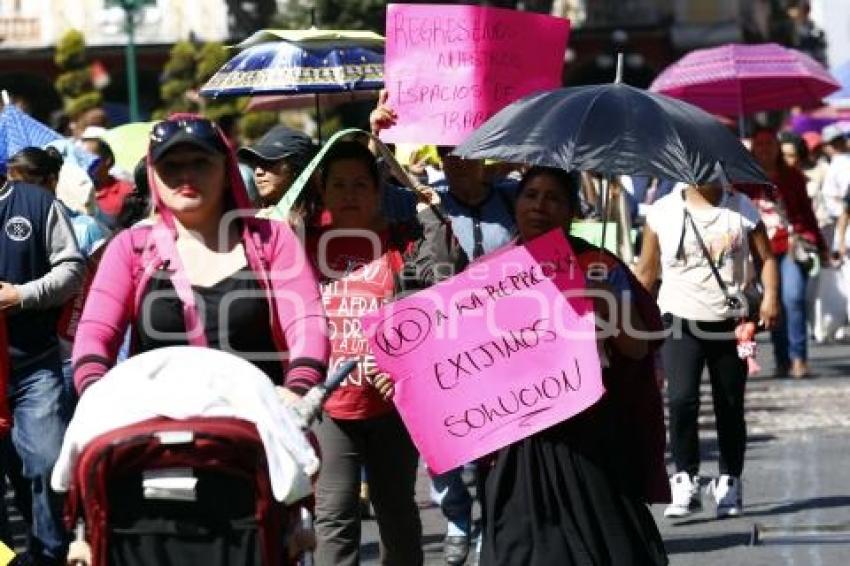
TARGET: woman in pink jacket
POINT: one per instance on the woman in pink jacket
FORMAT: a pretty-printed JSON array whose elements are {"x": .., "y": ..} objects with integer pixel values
[{"x": 204, "y": 271}]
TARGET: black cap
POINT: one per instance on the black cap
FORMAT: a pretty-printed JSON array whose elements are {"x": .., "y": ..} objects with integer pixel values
[
  {"x": 196, "y": 132},
  {"x": 281, "y": 142}
]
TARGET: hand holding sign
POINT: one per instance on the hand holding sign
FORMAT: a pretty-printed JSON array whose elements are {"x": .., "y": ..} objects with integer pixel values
[
  {"x": 382, "y": 117},
  {"x": 493, "y": 355},
  {"x": 384, "y": 384}
]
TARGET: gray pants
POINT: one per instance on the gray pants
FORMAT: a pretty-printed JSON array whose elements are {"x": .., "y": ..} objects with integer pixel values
[{"x": 383, "y": 446}]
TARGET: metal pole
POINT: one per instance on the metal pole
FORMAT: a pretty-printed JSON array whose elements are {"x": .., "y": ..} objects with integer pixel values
[
  {"x": 130, "y": 8},
  {"x": 618, "y": 76},
  {"x": 318, "y": 119}
]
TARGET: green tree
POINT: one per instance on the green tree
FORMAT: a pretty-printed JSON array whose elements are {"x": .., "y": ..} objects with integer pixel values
[
  {"x": 254, "y": 124},
  {"x": 188, "y": 68},
  {"x": 210, "y": 59},
  {"x": 74, "y": 82},
  {"x": 178, "y": 79},
  {"x": 334, "y": 14}
]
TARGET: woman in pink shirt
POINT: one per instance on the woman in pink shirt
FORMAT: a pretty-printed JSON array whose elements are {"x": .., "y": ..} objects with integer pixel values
[{"x": 204, "y": 272}]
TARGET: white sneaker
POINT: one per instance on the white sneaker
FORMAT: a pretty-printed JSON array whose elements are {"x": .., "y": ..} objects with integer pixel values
[
  {"x": 686, "y": 496},
  {"x": 728, "y": 494}
]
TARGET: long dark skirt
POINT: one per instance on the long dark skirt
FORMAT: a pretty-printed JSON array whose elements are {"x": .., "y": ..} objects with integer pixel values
[{"x": 563, "y": 497}]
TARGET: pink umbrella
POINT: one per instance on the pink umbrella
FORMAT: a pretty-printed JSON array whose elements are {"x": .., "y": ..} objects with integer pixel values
[{"x": 736, "y": 80}]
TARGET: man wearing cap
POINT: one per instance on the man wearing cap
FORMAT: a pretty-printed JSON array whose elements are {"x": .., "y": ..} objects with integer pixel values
[
  {"x": 277, "y": 159},
  {"x": 836, "y": 182}
]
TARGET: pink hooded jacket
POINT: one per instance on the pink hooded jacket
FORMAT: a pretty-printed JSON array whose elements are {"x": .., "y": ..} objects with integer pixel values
[{"x": 298, "y": 323}]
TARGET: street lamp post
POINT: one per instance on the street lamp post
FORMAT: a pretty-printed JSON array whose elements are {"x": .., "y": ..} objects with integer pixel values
[{"x": 130, "y": 8}]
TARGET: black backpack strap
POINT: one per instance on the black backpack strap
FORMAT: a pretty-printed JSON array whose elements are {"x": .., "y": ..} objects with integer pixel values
[{"x": 689, "y": 219}]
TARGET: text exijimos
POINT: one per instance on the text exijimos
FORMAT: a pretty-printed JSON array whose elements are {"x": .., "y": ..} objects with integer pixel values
[{"x": 448, "y": 372}]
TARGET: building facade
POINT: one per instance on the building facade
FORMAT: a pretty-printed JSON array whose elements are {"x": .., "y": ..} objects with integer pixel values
[
  {"x": 30, "y": 29},
  {"x": 34, "y": 24},
  {"x": 654, "y": 33}
]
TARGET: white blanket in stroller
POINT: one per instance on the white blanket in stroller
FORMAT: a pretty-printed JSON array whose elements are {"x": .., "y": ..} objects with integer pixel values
[{"x": 184, "y": 381}]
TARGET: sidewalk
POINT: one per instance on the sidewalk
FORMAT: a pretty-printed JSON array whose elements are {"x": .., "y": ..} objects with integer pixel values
[{"x": 796, "y": 475}]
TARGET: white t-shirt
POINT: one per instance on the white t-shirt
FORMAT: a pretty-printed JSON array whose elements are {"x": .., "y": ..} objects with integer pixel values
[
  {"x": 836, "y": 184},
  {"x": 688, "y": 288}
]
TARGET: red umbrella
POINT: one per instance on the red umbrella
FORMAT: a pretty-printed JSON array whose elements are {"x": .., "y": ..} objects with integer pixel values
[{"x": 735, "y": 80}]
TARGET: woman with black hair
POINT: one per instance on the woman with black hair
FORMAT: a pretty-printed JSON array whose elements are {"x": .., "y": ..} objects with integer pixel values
[
  {"x": 575, "y": 494},
  {"x": 36, "y": 166},
  {"x": 794, "y": 239},
  {"x": 360, "y": 259},
  {"x": 797, "y": 154}
]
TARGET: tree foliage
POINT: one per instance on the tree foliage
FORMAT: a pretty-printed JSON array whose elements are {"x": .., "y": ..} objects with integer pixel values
[
  {"x": 255, "y": 124},
  {"x": 211, "y": 57},
  {"x": 188, "y": 68},
  {"x": 334, "y": 14},
  {"x": 74, "y": 83}
]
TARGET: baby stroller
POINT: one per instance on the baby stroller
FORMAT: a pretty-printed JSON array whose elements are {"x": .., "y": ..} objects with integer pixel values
[{"x": 199, "y": 490}]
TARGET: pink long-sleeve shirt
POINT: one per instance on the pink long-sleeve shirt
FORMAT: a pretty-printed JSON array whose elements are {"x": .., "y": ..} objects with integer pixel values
[{"x": 274, "y": 253}]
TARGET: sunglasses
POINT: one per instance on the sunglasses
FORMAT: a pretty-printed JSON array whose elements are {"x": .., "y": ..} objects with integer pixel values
[{"x": 199, "y": 128}]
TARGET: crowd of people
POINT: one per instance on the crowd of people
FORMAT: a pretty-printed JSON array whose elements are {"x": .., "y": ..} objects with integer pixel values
[{"x": 155, "y": 257}]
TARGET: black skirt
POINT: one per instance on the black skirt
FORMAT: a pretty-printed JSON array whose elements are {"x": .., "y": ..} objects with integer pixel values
[{"x": 563, "y": 497}]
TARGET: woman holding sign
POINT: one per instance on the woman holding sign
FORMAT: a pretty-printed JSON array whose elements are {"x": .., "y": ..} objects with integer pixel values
[
  {"x": 575, "y": 494},
  {"x": 360, "y": 260}
]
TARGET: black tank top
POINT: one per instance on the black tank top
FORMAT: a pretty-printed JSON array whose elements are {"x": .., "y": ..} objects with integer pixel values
[{"x": 234, "y": 313}]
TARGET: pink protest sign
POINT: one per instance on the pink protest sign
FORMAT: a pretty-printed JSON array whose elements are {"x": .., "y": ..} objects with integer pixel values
[
  {"x": 449, "y": 68},
  {"x": 492, "y": 355}
]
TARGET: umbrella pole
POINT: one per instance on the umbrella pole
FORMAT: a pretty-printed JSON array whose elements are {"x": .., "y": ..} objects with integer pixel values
[
  {"x": 606, "y": 206},
  {"x": 618, "y": 76},
  {"x": 742, "y": 120},
  {"x": 318, "y": 119}
]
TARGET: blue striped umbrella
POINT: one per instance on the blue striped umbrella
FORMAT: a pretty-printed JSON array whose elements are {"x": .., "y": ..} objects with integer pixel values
[
  {"x": 283, "y": 67},
  {"x": 19, "y": 130}
]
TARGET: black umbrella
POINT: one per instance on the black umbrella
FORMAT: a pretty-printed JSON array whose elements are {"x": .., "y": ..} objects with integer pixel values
[{"x": 613, "y": 129}]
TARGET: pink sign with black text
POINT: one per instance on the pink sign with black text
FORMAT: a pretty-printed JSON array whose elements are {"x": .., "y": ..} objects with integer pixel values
[
  {"x": 493, "y": 355},
  {"x": 449, "y": 68}
]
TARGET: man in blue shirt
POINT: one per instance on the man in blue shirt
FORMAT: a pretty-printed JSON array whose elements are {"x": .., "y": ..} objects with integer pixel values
[
  {"x": 481, "y": 218},
  {"x": 481, "y": 215}
]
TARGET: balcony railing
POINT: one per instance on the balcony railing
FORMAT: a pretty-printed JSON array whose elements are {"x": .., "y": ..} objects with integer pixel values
[{"x": 19, "y": 30}]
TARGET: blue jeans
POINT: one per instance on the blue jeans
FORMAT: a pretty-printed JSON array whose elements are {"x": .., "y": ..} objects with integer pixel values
[
  {"x": 791, "y": 336},
  {"x": 455, "y": 501},
  {"x": 37, "y": 401}
]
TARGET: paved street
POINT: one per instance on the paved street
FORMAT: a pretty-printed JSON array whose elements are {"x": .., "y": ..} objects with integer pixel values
[{"x": 796, "y": 482}]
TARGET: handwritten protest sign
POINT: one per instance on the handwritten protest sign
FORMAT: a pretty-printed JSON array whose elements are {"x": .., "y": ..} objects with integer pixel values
[
  {"x": 449, "y": 68},
  {"x": 493, "y": 355}
]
